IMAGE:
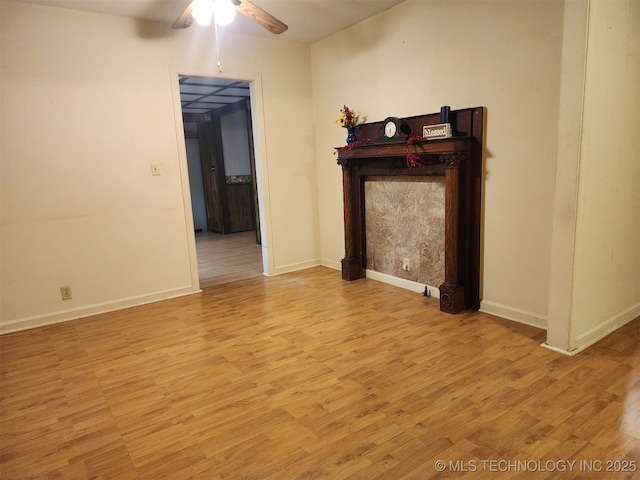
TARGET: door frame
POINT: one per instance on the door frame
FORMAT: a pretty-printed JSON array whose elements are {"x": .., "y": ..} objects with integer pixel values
[{"x": 263, "y": 220}]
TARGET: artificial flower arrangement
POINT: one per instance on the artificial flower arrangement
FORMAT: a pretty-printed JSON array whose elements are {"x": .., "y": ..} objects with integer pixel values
[{"x": 349, "y": 118}]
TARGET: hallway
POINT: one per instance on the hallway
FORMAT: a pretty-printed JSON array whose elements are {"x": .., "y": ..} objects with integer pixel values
[{"x": 227, "y": 258}]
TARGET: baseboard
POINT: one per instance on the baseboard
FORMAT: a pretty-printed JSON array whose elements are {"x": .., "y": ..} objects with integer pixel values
[
  {"x": 389, "y": 279},
  {"x": 402, "y": 283},
  {"x": 610, "y": 325},
  {"x": 87, "y": 311},
  {"x": 515, "y": 314},
  {"x": 331, "y": 264},
  {"x": 294, "y": 267},
  {"x": 559, "y": 350}
]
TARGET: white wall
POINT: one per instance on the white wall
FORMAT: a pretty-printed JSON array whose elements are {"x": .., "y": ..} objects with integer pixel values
[
  {"x": 423, "y": 54},
  {"x": 606, "y": 291},
  {"x": 88, "y": 102},
  {"x": 235, "y": 144}
]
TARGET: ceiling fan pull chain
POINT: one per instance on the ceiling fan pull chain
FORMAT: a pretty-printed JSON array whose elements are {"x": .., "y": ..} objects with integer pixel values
[{"x": 215, "y": 29}]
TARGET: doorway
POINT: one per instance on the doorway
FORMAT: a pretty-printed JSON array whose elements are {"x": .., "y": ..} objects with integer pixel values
[{"x": 216, "y": 115}]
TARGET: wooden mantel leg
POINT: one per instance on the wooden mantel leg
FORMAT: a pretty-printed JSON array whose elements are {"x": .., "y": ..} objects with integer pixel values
[
  {"x": 451, "y": 292},
  {"x": 351, "y": 264}
]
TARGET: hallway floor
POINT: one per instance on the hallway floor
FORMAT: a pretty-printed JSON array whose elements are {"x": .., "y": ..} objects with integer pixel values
[{"x": 227, "y": 258}]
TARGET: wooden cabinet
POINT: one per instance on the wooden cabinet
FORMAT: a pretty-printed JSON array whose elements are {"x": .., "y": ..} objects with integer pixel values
[{"x": 241, "y": 215}]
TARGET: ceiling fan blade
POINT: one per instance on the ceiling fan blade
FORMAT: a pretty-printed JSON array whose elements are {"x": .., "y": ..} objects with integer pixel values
[
  {"x": 185, "y": 19},
  {"x": 259, "y": 16}
]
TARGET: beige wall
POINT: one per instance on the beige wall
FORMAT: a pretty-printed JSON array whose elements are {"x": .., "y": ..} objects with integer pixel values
[
  {"x": 88, "y": 101},
  {"x": 595, "y": 278},
  {"x": 606, "y": 291},
  {"x": 424, "y": 54},
  {"x": 575, "y": 21}
]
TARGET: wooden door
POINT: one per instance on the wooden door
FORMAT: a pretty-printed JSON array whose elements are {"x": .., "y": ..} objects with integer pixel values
[{"x": 210, "y": 173}]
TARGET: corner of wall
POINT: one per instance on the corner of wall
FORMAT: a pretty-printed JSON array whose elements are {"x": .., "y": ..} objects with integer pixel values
[{"x": 565, "y": 202}]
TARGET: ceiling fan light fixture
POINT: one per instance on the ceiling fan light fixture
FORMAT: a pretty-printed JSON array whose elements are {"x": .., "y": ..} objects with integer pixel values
[
  {"x": 202, "y": 11},
  {"x": 224, "y": 12}
]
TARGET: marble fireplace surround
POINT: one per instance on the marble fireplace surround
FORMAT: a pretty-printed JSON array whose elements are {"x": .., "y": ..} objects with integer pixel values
[
  {"x": 404, "y": 218},
  {"x": 459, "y": 160}
]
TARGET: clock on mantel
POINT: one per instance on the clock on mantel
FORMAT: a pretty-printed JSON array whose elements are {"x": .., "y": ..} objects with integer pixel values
[{"x": 394, "y": 129}]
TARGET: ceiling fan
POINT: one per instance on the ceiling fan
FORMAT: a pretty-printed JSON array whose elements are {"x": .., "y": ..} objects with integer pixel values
[{"x": 223, "y": 11}]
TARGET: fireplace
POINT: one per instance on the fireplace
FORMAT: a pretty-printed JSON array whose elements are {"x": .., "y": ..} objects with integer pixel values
[{"x": 458, "y": 159}]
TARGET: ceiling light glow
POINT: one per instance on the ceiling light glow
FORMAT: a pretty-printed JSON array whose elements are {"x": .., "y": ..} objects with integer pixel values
[
  {"x": 224, "y": 12},
  {"x": 202, "y": 11}
]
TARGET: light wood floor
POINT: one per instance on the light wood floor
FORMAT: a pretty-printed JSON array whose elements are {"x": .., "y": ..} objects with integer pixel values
[
  {"x": 227, "y": 258},
  {"x": 305, "y": 376}
]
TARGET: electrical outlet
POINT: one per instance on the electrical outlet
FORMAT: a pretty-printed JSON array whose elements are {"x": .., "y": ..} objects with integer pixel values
[
  {"x": 65, "y": 293},
  {"x": 406, "y": 264}
]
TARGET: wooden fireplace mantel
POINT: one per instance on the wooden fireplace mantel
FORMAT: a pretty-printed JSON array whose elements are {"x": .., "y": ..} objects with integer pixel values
[{"x": 459, "y": 160}]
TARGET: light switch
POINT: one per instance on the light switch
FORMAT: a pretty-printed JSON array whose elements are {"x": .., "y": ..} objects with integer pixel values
[{"x": 155, "y": 169}]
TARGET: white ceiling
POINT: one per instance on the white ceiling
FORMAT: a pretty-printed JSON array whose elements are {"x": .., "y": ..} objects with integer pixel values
[{"x": 308, "y": 20}]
